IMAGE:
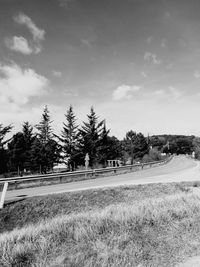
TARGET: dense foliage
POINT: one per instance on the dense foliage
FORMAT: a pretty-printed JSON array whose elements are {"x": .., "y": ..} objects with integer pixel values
[{"x": 37, "y": 149}]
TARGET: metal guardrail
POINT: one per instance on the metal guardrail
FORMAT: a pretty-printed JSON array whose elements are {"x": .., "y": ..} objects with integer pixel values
[{"x": 86, "y": 173}]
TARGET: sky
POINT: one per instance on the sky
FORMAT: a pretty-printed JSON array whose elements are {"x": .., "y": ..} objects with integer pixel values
[{"x": 137, "y": 62}]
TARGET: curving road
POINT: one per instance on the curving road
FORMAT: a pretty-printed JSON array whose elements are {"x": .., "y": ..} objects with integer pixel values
[{"x": 180, "y": 168}]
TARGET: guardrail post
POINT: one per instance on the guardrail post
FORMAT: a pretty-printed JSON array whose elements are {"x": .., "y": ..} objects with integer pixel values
[{"x": 3, "y": 195}]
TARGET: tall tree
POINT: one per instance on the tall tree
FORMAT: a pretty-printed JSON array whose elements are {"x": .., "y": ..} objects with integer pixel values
[
  {"x": 135, "y": 145},
  {"x": 44, "y": 127},
  {"x": 103, "y": 145},
  {"x": 129, "y": 144},
  {"x": 45, "y": 151},
  {"x": 91, "y": 135},
  {"x": 17, "y": 152},
  {"x": 3, "y": 153},
  {"x": 70, "y": 139},
  {"x": 29, "y": 137},
  {"x": 19, "y": 149},
  {"x": 141, "y": 146}
]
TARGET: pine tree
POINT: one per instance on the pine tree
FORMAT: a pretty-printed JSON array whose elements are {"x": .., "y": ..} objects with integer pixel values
[
  {"x": 17, "y": 152},
  {"x": 44, "y": 127},
  {"x": 103, "y": 145},
  {"x": 27, "y": 130},
  {"x": 69, "y": 138},
  {"x": 29, "y": 137},
  {"x": 45, "y": 151},
  {"x": 91, "y": 135}
]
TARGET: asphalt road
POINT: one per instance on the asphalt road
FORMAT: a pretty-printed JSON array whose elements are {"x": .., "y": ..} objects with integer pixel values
[{"x": 180, "y": 168}]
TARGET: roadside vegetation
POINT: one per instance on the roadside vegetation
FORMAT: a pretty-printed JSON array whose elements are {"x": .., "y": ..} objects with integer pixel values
[
  {"x": 146, "y": 225},
  {"x": 32, "y": 210},
  {"x": 37, "y": 149}
]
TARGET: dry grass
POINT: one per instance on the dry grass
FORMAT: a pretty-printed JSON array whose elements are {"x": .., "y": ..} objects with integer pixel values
[
  {"x": 152, "y": 232},
  {"x": 32, "y": 210}
]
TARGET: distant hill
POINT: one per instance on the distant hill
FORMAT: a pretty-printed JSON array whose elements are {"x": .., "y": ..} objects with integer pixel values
[{"x": 178, "y": 144}]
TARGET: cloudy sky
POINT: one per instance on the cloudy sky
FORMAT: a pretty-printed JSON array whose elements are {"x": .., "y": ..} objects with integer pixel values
[{"x": 136, "y": 61}]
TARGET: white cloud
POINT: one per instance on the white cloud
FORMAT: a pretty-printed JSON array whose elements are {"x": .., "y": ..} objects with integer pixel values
[
  {"x": 38, "y": 34},
  {"x": 152, "y": 58},
  {"x": 57, "y": 73},
  {"x": 197, "y": 74},
  {"x": 125, "y": 91},
  {"x": 17, "y": 85},
  {"x": 170, "y": 93},
  {"x": 19, "y": 44},
  {"x": 159, "y": 92}
]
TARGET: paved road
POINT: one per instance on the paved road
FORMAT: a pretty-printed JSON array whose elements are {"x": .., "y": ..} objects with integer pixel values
[{"x": 180, "y": 168}]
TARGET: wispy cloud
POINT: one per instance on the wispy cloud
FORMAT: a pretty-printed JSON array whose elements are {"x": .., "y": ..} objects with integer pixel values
[
  {"x": 167, "y": 15},
  {"x": 169, "y": 93},
  {"x": 176, "y": 93},
  {"x": 86, "y": 42},
  {"x": 65, "y": 3},
  {"x": 125, "y": 91},
  {"x": 152, "y": 58},
  {"x": 149, "y": 39},
  {"x": 197, "y": 74},
  {"x": 164, "y": 43},
  {"x": 144, "y": 74},
  {"x": 38, "y": 34},
  {"x": 17, "y": 85},
  {"x": 19, "y": 44},
  {"x": 57, "y": 73}
]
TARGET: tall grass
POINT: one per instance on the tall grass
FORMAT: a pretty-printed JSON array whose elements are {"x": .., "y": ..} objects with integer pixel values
[{"x": 159, "y": 232}]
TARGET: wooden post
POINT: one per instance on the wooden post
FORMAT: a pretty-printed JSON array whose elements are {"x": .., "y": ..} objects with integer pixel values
[{"x": 3, "y": 195}]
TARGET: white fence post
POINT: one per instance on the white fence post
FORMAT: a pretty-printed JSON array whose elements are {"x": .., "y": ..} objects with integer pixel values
[{"x": 3, "y": 195}]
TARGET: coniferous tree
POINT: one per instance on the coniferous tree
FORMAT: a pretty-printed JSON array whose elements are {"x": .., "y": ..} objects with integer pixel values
[
  {"x": 29, "y": 137},
  {"x": 70, "y": 139},
  {"x": 45, "y": 151},
  {"x": 103, "y": 145},
  {"x": 17, "y": 153},
  {"x": 90, "y": 137},
  {"x": 44, "y": 127}
]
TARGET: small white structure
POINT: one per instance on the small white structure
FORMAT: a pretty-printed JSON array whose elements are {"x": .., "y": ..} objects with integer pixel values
[
  {"x": 87, "y": 158},
  {"x": 193, "y": 154}
]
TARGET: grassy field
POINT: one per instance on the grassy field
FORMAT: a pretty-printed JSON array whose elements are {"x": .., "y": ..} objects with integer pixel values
[{"x": 147, "y": 225}]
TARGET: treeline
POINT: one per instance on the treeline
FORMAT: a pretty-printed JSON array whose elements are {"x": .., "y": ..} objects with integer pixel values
[
  {"x": 37, "y": 149},
  {"x": 175, "y": 144}
]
